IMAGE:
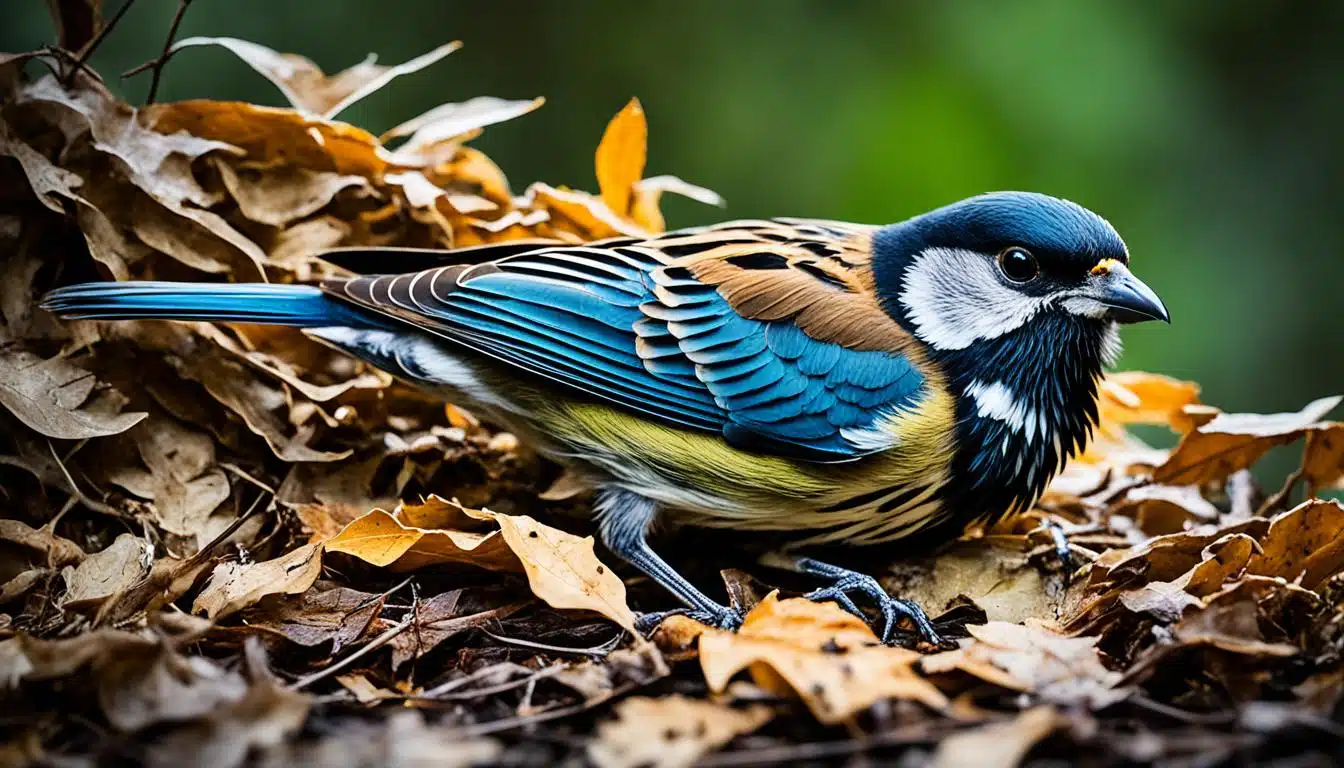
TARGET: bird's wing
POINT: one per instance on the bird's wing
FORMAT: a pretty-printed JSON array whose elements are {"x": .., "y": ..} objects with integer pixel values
[{"x": 767, "y": 332}]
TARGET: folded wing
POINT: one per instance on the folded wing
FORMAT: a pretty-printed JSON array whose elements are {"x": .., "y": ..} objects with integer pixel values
[{"x": 632, "y": 324}]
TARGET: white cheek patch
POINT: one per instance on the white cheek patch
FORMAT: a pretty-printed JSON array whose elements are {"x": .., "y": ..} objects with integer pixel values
[
  {"x": 996, "y": 401},
  {"x": 954, "y": 298}
]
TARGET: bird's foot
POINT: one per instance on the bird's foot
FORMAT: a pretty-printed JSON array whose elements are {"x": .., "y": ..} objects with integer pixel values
[
  {"x": 892, "y": 608},
  {"x": 1060, "y": 540},
  {"x": 722, "y": 617}
]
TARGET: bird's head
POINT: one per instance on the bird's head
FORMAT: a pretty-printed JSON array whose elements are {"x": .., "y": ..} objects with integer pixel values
[{"x": 1016, "y": 297}]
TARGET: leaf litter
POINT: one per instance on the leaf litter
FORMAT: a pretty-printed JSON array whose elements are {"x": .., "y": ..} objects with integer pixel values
[{"x": 228, "y": 545}]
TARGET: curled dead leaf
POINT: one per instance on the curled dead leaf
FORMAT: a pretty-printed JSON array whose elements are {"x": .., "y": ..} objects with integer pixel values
[
  {"x": 235, "y": 586},
  {"x": 817, "y": 652},
  {"x": 305, "y": 85},
  {"x": 561, "y": 568},
  {"x": 1234, "y": 441}
]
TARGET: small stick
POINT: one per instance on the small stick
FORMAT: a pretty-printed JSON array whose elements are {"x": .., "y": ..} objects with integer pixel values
[
  {"x": 157, "y": 64},
  {"x": 378, "y": 642},
  {"x": 79, "y": 61}
]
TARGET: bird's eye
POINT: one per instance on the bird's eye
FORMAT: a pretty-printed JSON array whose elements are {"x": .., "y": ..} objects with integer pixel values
[{"x": 1018, "y": 265}]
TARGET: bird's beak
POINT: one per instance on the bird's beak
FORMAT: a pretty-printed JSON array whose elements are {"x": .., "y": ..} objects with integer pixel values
[{"x": 1126, "y": 297}]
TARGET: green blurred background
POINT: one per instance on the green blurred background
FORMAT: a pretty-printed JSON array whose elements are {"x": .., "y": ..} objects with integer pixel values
[{"x": 1208, "y": 133}]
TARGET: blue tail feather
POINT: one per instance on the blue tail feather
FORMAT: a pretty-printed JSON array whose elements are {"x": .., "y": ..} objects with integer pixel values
[{"x": 300, "y": 306}]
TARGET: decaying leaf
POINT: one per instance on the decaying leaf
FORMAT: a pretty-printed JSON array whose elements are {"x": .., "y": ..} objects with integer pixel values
[
  {"x": 381, "y": 539},
  {"x": 997, "y": 579},
  {"x": 107, "y": 573},
  {"x": 179, "y": 475},
  {"x": 1033, "y": 659},
  {"x": 325, "y": 613},
  {"x": 234, "y": 586},
  {"x": 669, "y": 732},
  {"x": 817, "y": 652},
  {"x": 56, "y": 398},
  {"x": 262, "y": 718}
]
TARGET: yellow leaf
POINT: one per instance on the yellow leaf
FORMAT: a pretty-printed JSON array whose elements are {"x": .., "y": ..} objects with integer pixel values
[
  {"x": 561, "y": 568},
  {"x": 1135, "y": 397},
  {"x": 816, "y": 651},
  {"x": 621, "y": 156},
  {"x": 380, "y": 539}
]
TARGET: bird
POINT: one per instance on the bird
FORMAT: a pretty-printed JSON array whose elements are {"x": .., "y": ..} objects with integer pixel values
[{"x": 835, "y": 383}]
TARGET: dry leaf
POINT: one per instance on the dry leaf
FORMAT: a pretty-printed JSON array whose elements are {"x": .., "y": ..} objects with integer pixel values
[
  {"x": 47, "y": 547},
  {"x": 997, "y": 745},
  {"x": 324, "y": 614},
  {"x": 621, "y": 156},
  {"x": 180, "y": 475},
  {"x": 56, "y": 398},
  {"x": 1134, "y": 397},
  {"x": 141, "y": 686},
  {"x": 436, "y": 135},
  {"x": 1323, "y": 458},
  {"x": 271, "y": 137},
  {"x": 998, "y": 580},
  {"x": 669, "y": 732},
  {"x": 1033, "y": 659},
  {"x": 381, "y": 539},
  {"x": 277, "y": 196},
  {"x": 234, "y": 586},
  {"x": 1303, "y": 545},
  {"x": 1233, "y": 441},
  {"x": 262, "y": 718},
  {"x": 107, "y": 573},
  {"x": 828, "y": 658},
  {"x": 647, "y": 196},
  {"x": 305, "y": 86},
  {"x": 402, "y": 741},
  {"x": 561, "y": 568},
  {"x": 1224, "y": 560}
]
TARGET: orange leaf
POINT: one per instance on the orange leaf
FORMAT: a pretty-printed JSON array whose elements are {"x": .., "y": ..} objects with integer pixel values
[{"x": 621, "y": 156}]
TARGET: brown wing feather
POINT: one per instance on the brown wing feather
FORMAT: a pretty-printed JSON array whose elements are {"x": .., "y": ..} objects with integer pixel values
[{"x": 817, "y": 273}]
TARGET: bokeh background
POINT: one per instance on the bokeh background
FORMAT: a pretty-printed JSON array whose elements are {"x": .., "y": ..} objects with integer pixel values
[{"x": 1210, "y": 134}]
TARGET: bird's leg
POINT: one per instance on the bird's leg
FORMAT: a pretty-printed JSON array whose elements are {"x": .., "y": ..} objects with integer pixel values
[
  {"x": 844, "y": 582},
  {"x": 623, "y": 520},
  {"x": 1061, "y": 543}
]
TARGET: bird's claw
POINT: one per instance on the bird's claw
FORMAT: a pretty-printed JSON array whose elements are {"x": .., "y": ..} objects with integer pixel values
[
  {"x": 892, "y": 608},
  {"x": 722, "y": 618}
]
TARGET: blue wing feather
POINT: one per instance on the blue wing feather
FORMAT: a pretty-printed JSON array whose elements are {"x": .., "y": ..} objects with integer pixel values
[{"x": 659, "y": 342}]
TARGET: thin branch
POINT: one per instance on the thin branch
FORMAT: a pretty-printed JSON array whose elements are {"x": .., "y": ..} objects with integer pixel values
[
  {"x": 377, "y": 643},
  {"x": 597, "y": 651},
  {"x": 91, "y": 504},
  {"x": 157, "y": 64},
  {"x": 79, "y": 62}
]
